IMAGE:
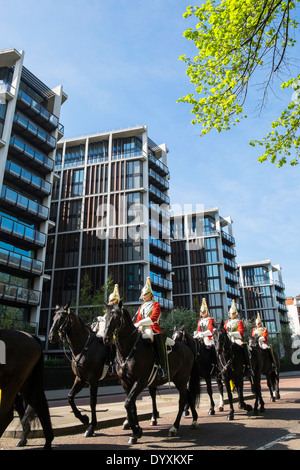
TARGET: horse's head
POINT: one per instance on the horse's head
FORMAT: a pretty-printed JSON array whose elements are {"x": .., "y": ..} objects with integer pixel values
[
  {"x": 61, "y": 323},
  {"x": 179, "y": 334},
  {"x": 221, "y": 339},
  {"x": 253, "y": 341},
  {"x": 113, "y": 322}
]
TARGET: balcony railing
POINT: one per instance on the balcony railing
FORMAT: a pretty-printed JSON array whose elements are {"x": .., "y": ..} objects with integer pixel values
[
  {"x": 26, "y": 235},
  {"x": 20, "y": 202},
  {"x": 159, "y": 166},
  {"x": 158, "y": 195},
  {"x": 40, "y": 136},
  {"x": 20, "y": 262},
  {"x": 34, "y": 157},
  {"x": 19, "y": 295},
  {"x": 32, "y": 182},
  {"x": 42, "y": 114}
]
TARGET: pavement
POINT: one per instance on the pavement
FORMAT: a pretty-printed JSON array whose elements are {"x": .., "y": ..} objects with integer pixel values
[{"x": 110, "y": 408}]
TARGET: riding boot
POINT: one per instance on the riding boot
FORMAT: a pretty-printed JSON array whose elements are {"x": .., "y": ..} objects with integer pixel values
[
  {"x": 159, "y": 342},
  {"x": 272, "y": 358},
  {"x": 248, "y": 360}
]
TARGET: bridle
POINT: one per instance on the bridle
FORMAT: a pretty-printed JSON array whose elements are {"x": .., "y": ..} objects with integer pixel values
[
  {"x": 62, "y": 330},
  {"x": 226, "y": 364}
]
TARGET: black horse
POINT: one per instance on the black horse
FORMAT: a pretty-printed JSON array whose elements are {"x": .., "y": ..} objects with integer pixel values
[
  {"x": 233, "y": 368},
  {"x": 135, "y": 365},
  {"x": 268, "y": 369},
  {"x": 206, "y": 361},
  {"x": 89, "y": 358},
  {"x": 22, "y": 381}
]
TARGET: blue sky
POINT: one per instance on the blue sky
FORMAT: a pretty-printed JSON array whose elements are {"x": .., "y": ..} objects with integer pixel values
[{"x": 118, "y": 62}]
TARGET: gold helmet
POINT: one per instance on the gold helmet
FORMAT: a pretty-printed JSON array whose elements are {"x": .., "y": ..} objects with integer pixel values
[
  {"x": 233, "y": 308},
  {"x": 147, "y": 287},
  {"x": 204, "y": 307},
  {"x": 258, "y": 320},
  {"x": 114, "y": 296}
]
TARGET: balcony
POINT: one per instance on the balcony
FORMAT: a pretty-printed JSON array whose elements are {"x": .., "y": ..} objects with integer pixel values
[
  {"x": 160, "y": 263},
  {"x": 159, "y": 166},
  {"x": 35, "y": 110},
  {"x": 21, "y": 235},
  {"x": 18, "y": 296},
  {"x": 35, "y": 134},
  {"x": 22, "y": 205},
  {"x": 27, "y": 180},
  {"x": 14, "y": 262},
  {"x": 158, "y": 180},
  {"x": 6, "y": 91},
  {"x": 30, "y": 156},
  {"x": 159, "y": 281},
  {"x": 228, "y": 238},
  {"x": 158, "y": 196}
]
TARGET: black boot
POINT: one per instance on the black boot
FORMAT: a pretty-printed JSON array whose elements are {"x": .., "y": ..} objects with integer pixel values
[
  {"x": 248, "y": 360},
  {"x": 159, "y": 342}
]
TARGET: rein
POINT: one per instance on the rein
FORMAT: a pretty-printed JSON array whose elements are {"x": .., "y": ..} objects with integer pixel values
[{"x": 64, "y": 335}]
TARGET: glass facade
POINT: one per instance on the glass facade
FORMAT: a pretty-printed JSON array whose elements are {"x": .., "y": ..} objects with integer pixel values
[
  {"x": 203, "y": 262},
  {"x": 101, "y": 205},
  {"x": 26, "y": 184}
]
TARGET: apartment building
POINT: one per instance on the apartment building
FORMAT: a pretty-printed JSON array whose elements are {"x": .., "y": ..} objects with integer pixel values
[
  {"x": 110, "y": 206},
  {"x": 203, "y": 262},
  {"x": 29, "y": 131},
  {"x": 263, "y": 290}
]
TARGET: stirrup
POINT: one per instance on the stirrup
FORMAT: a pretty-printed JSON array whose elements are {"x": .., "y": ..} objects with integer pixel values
[{"x": 161, "y": 373}]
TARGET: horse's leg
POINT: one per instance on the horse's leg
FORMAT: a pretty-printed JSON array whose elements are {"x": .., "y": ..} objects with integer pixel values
[
  {"x": 221, "y": 394},
  {"x": 42, "y": 410},
  {"x": 240, "y": 389},
  {"x": 93, "y": 403},
  {"x": 130, "y": 407},
  {"x": 77, "y": 386},
  {"x": 182, "y": 401},
  {"x": 155, "y": 414},
  {"x": 19, "y": 406},
  {"x": 230, "y": 416},
  {"x": 192, "y": 404},
  {"x": 275, "y": 376},
  {"x": 211, "y": 411}
]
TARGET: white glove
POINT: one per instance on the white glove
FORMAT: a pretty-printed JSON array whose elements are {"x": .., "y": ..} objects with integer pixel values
[{"x": 144, "y": 322}]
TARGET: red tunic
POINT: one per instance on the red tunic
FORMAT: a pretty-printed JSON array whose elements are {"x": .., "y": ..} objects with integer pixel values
[
  {"x": 154, "y": 315},
  {"x": 235, "y": 325}
]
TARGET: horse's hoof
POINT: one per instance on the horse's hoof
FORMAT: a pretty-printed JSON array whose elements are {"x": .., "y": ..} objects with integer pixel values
[
  {"x": 195, "y": 425},
  {"x": 21, "y": 443},
  {"x": 153, "y": 422},
  {"x": 221, "y": 408},
  {"x": 230, "y": 417},
  {"x": 211, "y": 412},
  {"x": 125, "y": 426},
  {"x": 248, "y": 408},
  {"x": 134, "y": 438},
  {"x": 89, "y": 433},
  {"x": 172, "y": 432},
  {"x": 272, "y": 400},
  {"x": 186, "y": 413}
]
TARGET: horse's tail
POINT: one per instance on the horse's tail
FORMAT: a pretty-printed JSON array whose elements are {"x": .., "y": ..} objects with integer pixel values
[{"x": 194, "y": 384}]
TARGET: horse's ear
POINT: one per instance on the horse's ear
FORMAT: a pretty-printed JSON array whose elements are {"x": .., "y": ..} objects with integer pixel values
[
  {"x": 175, "y": 328},
  {"x": 67, "y": 306},
  {"x": 120, "y": 304},
  {"x": 183, "y": 327}
]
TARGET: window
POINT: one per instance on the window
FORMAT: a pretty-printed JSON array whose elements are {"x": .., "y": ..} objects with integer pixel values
[
  {"x": 134, "y": 175},
  {"x": 74, "y": 155},
  {"x": 77, "y": 183}
]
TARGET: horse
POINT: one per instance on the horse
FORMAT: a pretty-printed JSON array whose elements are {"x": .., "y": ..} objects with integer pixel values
[
  {"x": 206, "y": 361},
  {"x": 22, "y": 380},
  {"x": 233, "y": 368},
  {"x": 89, "y": 358},
  {"x": 272, "y": 375},
  {"x": 136, "y": 368}
]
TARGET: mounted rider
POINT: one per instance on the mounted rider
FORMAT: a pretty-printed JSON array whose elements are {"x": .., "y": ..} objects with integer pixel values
[
  {"x": 235, "y": 331},
  {"x": 206, "y": 325},
  {"x": 147, "y": 322},
  {"x": 99, "y": 325},
  {"x": 262, "y": 334}
]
